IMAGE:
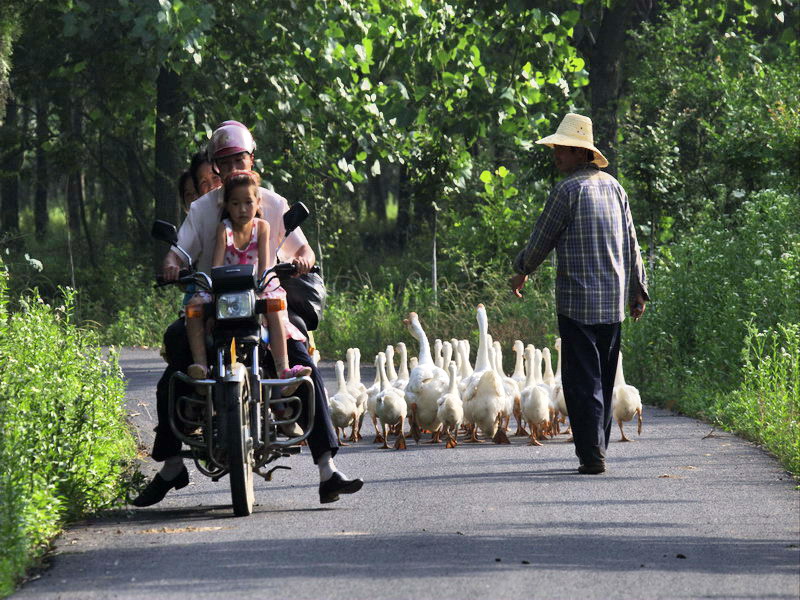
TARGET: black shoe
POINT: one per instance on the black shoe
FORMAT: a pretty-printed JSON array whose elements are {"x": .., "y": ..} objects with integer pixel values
[
  {"x": 329, "y": 490},
  {"x": 158, "y": 488},
  {"x": 592, "y": 468}
]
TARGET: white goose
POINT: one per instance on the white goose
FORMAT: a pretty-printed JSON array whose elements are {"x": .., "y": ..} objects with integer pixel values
[
  {"x": 342, "y": 404},
  {"x": 561, "y": 401},
  {"x": 625, "y": 401},
  {"x": 357, "y": 389},
  {"x": 426, "y": 384},
  {"x": 372, "y": 396},
  {"x": 437, "y": 352},
  {"x": 390, "y": 372},
  {"x": 535, "y": 401},
  {"x": 509, "y": 385},
  {"x": 450, "y": 409},
  {"x": 390, "y": 406},
  {"x": 483, "y": 390},
  {"x": 447, "y": 355},
  {"x": 519, "y": 377},
  {"x": 537, "y": 374},
  {"x": 402, "y": 373}
]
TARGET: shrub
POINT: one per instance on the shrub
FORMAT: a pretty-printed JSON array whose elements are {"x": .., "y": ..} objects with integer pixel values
[
  {"x": 371, "y": 318},
  {"x": 766, "y": 407},
  {"x": 64, "y": 443}
]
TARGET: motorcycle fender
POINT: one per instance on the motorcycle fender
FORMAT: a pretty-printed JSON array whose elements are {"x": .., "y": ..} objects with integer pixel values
[{"x": 237, "y": 373}]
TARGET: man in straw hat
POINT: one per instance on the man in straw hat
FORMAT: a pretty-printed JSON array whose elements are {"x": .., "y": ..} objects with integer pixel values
[{"x": 588, "y": 221}]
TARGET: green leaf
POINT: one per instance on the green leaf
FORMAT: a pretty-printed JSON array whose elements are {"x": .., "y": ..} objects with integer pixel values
[
  {"x": 486, "y": 177},
  {"x": 570, "y": 18},
  {"x": 502, "y": 171},
  {"x": 361, "y": 156}
]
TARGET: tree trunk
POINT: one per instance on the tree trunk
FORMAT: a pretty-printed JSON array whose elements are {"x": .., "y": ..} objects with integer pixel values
[
  {"x": 604, "y": 53},
  {"x": 41, "y": 217},
  {"x": 10, "y": 164},
  {"x": 404, "y": 196},
  {"x": 376, "y": 198},
  {"x": 75, "y": 190},
  {"x": 167, "y": 150}
]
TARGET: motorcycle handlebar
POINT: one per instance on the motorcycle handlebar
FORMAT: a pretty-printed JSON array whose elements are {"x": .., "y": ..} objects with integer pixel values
[
  {"x": 289, "y": 269},
  {"x": 184, "y": 276}
]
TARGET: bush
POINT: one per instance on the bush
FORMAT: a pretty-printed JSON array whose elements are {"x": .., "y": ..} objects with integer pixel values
[
  {"x": 64, "y": 443},
  {"x": 709, "y": 292},
  {"x": 369, "y": 318},
  {"x": 766, "y": 407}
]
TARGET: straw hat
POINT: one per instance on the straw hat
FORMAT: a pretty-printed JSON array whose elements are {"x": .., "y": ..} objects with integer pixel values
[{"x": 575, "y": 130}]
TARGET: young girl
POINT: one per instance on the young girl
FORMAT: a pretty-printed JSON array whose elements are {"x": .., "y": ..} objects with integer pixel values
[{"x": 243, "y": 239}]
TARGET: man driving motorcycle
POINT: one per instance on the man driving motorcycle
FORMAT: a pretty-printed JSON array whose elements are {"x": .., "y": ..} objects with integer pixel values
[{"x": 232, "y": 148}]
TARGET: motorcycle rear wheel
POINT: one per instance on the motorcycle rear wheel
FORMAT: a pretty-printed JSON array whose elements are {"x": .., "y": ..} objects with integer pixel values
[{"x": 240, "y": 447}]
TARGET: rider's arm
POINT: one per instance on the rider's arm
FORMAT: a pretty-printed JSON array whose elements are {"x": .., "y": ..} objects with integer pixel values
[
  {"x": 219, "y": 247},
  {"x": 188, "y": 239},
  {"x": 172, "y": 265},
  {"x": 304, "y": 258},
  {"x": 263, "y": 245}
]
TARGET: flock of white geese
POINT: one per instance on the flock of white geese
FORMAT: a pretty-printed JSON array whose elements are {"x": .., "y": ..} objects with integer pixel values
[{"x": 443, "y": 394}]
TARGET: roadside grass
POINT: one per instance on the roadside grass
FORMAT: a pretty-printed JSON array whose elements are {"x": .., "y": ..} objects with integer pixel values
[
  {"x": 65, "y": 448},
  {"x": 719, "y": 339},
  {"x": 766, "y": 407}
]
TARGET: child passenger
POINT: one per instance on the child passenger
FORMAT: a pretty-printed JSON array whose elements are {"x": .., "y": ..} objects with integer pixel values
[{"x": 243, "y": 239}]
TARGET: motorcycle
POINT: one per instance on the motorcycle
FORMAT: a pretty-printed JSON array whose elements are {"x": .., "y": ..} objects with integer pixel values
[{"x": 229, "y": 422}]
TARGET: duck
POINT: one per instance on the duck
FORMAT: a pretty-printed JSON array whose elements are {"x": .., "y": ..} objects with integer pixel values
[
  {"x": 372, "y": 396},
  {"x": 357, "y": 389},
  {"x": 626, "y": 402},
  {"x": 342, "y": 404},
  {"x": 450, "y": 411},
  {"x": 483, "y": 389},
  {"x": 535, "y": 401},
  {"x": 390, "y": 407},
  {"x": 426, "y": 384},
  {"x": 401, "y": 381}
]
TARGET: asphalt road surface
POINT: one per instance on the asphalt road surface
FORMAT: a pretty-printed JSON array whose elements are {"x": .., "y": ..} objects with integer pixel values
[{"x": 679, "y": 514}]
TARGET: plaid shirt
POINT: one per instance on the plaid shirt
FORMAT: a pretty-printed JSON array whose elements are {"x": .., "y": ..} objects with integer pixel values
[{"x": 588, "y": 221}]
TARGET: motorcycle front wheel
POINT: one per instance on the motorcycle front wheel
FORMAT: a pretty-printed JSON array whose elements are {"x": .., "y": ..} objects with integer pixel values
[{"x": 240, "y": 446}]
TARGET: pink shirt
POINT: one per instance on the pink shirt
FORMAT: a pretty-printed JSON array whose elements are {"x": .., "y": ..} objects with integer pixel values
[{"x": 198, "y": 233}]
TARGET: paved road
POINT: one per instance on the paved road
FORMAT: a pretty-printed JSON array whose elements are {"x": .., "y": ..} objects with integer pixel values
[{"x": 679, "y": 515}]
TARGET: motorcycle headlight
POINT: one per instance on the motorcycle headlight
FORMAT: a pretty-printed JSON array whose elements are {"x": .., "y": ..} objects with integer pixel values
[{"x": 236, "y": 305}]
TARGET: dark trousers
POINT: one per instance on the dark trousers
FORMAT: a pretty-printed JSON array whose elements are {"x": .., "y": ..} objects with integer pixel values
[
  {"x": 589, "y": 354},
  {"x": 322, "y": 438}
]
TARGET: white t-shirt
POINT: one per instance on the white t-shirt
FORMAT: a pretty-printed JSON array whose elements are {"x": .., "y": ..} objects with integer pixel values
[{"x": 198, "y": 233}]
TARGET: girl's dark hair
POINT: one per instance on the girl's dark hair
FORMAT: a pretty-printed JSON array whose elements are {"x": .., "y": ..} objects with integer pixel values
[
  {"x": 198, "y": 160},
  {"x": 185, "y": 176},
  {"x": 238, "y": 179}
]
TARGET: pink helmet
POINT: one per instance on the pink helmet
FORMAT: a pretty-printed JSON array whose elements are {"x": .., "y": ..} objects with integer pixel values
[{"x": 231, "y": 137}]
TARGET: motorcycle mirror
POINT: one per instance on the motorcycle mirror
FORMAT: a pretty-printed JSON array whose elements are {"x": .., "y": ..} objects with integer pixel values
[
  {"x": 164, "y": 232},
  {"x": 293, "y": 217}
]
